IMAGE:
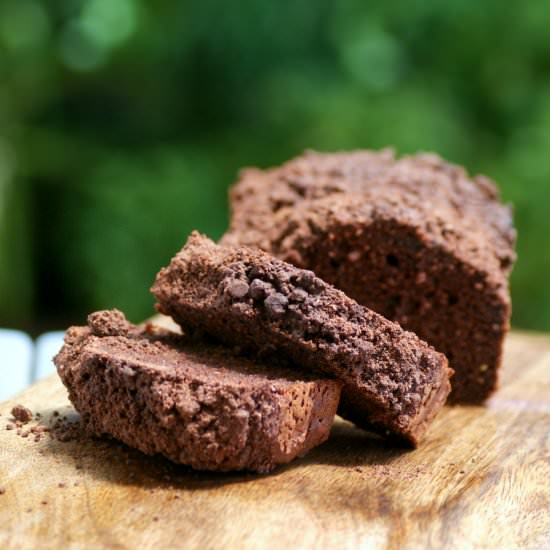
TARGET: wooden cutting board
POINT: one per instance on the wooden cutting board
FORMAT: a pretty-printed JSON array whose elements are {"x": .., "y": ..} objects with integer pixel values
[{"x": 481, "y": 479}]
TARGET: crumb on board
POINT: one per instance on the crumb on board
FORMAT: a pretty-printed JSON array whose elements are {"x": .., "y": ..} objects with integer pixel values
[{"x": 21, "y": 413}]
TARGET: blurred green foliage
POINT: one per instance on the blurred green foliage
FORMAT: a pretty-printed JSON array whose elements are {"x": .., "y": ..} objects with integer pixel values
[{"x": 122, "y": 123}]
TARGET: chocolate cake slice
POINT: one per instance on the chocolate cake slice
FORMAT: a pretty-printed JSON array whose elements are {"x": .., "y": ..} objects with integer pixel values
[
  {"x": 394, "y": 382},
  {"x": 195, "y": 402},
  {"x": 415, "y": 239}
]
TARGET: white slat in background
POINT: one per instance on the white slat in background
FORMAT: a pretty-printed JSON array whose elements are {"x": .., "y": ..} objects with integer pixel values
[{"x": 23, "y": 361}]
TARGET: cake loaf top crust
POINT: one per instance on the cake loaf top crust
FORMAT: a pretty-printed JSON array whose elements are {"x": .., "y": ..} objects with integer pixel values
[
  {"x": 169, "y": 355},
  {"x": 452, "y": 209}
]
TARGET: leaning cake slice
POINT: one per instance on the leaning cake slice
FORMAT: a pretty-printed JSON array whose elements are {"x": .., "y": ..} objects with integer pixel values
[
  {"x": 394, "y": 382},
  {"x": 195, "y": 402}
]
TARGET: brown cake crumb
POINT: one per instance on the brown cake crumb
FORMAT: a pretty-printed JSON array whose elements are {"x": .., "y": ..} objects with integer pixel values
[
  {"x": 59, "y": 428},
  {"x": 2, "y": 490},
  {"x": 108, "y": 323},
  {"x": 21, "y": 413}
]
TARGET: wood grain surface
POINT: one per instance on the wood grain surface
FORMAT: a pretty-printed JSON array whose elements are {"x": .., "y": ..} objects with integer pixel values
[{"x": 481, "y": 479}]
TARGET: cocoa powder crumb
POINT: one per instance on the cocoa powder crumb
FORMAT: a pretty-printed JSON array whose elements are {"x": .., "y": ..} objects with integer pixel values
[
  {"x": 21, "y": 413},
  {"x": 64, "y": 430},
  {"x": 9, "y": 427}
]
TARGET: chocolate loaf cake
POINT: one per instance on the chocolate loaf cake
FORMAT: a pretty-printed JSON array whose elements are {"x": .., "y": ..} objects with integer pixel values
[
  {"x": 194, "y": 402},
  {"x": 415, "y": 239},
  {"x": 394, "y": 382}
]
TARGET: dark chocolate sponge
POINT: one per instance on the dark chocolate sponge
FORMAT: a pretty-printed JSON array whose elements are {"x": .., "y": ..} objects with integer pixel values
[
  {"x": 195, "y": 402},
  {"x": 394, "y": 382},
  {"x": 415, "y": 239}
]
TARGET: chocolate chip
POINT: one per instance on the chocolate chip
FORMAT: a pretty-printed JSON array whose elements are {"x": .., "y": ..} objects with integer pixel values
[
  {"x": 306, "y": 278},
  {"x": 299, "y": 295},
  {"x": 237, "y": 288},
  {"x": 276, "y": 304},
  {"x": 256, "y": 271},
  {"x": 2, "y": 490},
  {"x": 309, "y": 281},
  {"x": 259, "y": 289}
]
